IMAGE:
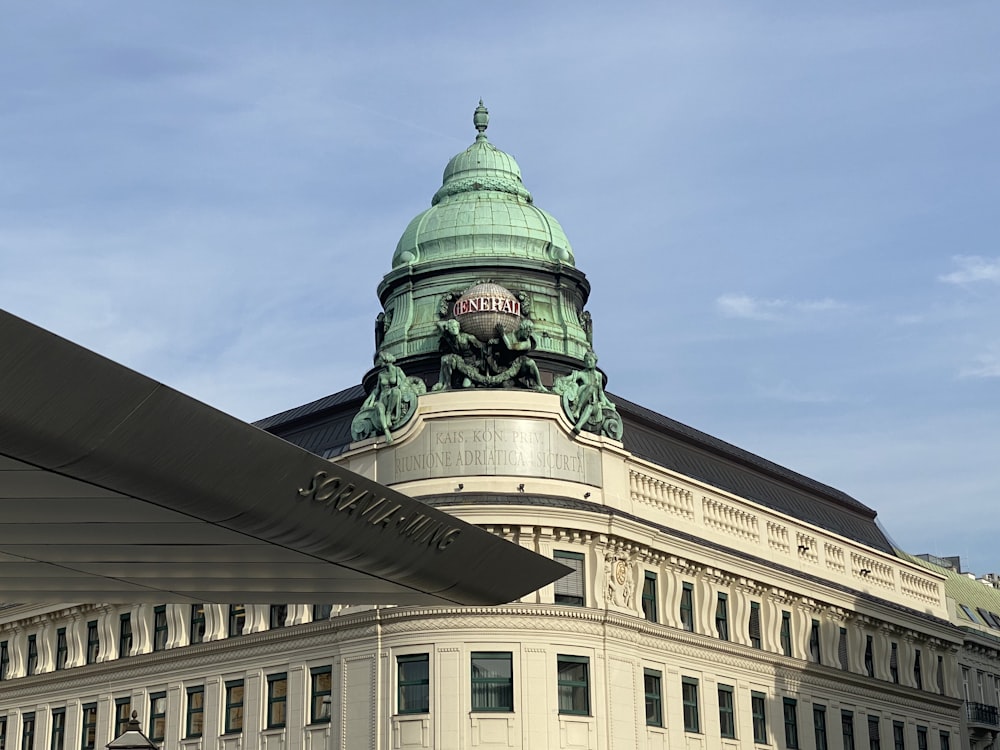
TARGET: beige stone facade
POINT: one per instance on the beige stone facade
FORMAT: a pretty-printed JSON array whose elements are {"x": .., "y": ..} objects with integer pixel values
[{"x": 628, "y": 652}]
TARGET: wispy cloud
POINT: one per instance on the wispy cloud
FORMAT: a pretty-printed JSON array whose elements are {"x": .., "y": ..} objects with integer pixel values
[
  {"x": 973, "y": 268},
  {"x": 787, "y": 392},
  {"x": 753, "y": 308},
  {"x": 987, "y": 365}
]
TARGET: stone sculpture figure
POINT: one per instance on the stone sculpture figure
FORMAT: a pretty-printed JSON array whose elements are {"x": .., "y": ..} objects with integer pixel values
[
  {"x": 501, "y": 362},
  {"x": 380, "y": 326},
  {"x": 585, "y": 403},
  {"x": 587, "y": 324},
  {"x": 511, "y": 364},
  {"x": 391, "y": 403},
  {"x": 463, "y": 354}
]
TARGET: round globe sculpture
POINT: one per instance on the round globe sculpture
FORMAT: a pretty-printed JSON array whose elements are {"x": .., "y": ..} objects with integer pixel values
[{"x": 485, "y": 306}]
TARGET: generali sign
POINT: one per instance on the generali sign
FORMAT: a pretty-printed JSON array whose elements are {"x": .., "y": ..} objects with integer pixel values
[{"x": 487, "y": 303}]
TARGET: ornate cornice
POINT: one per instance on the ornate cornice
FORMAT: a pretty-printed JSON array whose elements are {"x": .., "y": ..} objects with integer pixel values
[{"x": 564, "y": 503}]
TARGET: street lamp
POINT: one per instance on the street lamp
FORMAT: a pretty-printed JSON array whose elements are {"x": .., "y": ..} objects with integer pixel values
[{"x": 132, "y": 738}]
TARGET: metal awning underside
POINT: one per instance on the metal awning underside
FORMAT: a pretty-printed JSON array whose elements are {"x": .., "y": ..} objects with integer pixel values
[{"x": 116, "y": 488}]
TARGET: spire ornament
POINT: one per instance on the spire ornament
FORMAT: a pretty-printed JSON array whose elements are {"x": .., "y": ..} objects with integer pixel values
[{"x": 481, "y": 119}]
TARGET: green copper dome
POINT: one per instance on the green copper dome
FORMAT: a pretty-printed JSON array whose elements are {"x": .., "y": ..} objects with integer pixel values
[
  {"x": 482, "y": 209},
  {"x": 482, "y": 231}
]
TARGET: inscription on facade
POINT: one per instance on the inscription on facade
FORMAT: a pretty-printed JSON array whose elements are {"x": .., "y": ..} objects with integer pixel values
[
  {"x": 471, "y": 447},
  {"x": 487, "y": 303}
]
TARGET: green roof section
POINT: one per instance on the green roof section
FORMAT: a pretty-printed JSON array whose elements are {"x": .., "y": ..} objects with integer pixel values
[
  {"x": 482, "y": 166},
  {"x": 482, "y": 210},
  {"x": 972, "y": 603},
  {"x": 483, "y": 226}
]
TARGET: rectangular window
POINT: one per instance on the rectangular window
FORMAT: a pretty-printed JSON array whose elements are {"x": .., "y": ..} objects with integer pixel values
[
  {"x": 945, "y": 740},
  {"x": 753, "y": 629},
  {"x": 195, "y": 722},
  {"x": 234, "y": 706},
  {"x": 790, "y": 708},
  {"x": 649, "y": 610},
  {"x": 940, "y": 675},
  {"x": 786, "y": 633},
  {"x": 413, "y": 684},
  {"x": 3, "y": 732},
  {"x": 32, "y": 665},
  {"x": 88, "y": 727},
  {"x": 123, "y": 712},
  {"x": 689, "y": 699},
  {"x": 758, "y": 710},
  {"x": 921, "y": 738},
  {"x": 570, "y": 588},
  {"x": 573, "y": 680},
  {"x": 898, "y": 740},
  {"x": 652, "y": 682},
  {"x": 237, "y": 619},
  {"x": 687, "y": 607},
  {"x": 869, "y": 661},
  {"x": 93, "y": 642},
  {"x": 814, "y": 653},
  {"x": 918, "y": 678},
  {"x": 722, "y": 616},
  {"x": 894, "y": 662},
  {"x": 125, "y": 635},
  {"x": 842, "y": 650},
  {"x": 4, "y": 659},
  {"x": 157, "y": 716},
  {"x": 819, "y": 726},
  {"x": 279, "y": 613},
  {"x": 492, "y": 681},
  {"x": 197, "y": 623},
  {"x": 322, "y": 611},
  {"x": 28, "y": 730},
  {"x": 277, "y": 700},
  {"x": 160, "y": 628},
  {"x": 847, "y": 729},
  {"x": 58, "y": 739},
  {"x": 727, "y": 712},
  {"x": 320, "y": 694},
  {"x": 62, "y": 649},
  {"x": 874, "y": 735}
]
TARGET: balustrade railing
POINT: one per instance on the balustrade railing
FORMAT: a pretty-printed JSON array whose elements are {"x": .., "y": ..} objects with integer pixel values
[{"x": 981, "y": 713}]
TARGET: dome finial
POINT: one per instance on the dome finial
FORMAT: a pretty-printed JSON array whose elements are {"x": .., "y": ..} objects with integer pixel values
[{"x": 481, "y": 119}]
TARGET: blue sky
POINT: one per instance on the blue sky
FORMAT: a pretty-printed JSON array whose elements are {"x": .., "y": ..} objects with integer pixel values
[{"x": 787, "y": 210}]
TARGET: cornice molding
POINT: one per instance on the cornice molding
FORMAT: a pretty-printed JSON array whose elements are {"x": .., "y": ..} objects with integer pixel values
[{"x": 565, "y": 505}]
